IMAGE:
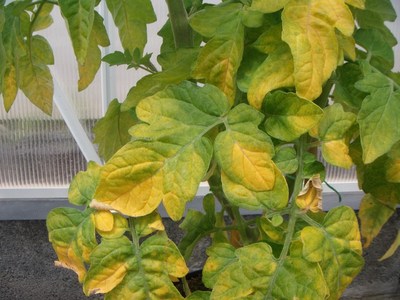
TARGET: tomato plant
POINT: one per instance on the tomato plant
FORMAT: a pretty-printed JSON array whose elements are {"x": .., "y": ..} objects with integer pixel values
[{"x": 246, "y": 93}]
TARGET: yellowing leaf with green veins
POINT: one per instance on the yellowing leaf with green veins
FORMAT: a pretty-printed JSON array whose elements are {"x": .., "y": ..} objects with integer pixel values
[
  {"x": 79, "y": 16},
  {"x": 275, "y": 72},
  {"x": 131, "y": 18},
  {"x": 393, "y": 164},
  {"x": 36, "y": 82},
  {"x": 104, "y": 220},
  {"x": 111, "y": 131},
  {"x": 335, "y": 123},
  {"x": 41, "y": 50},
  {"x": 310, "y": 197},
  {"x": 219, "y": 59},
  {"x": 125, "y": 270},
  {"x": 335, "y": 245},
  {"x": 373, "y": 215},
  {"x": 379, "y": 111},
  {"x": 120, "y": 226},
  {"x": 336, "y": 152},
  {"x": 180, "y": 69},
  {"x": 148, "y": 224},
  {"x": 268, "y": 6},
  {"x": 168, "y": 157},
  {"x": 286, "y": 160},
  {"x": 276, "y": 234},
  {"x": 72, "y": 235},
  {"x": 84, "y": 184},
  {"x": 253, "y": 272},
  {"x": 244, "y": 152},
  {"x": 98, "y": 37},
  {"x": 239, "y": 195},
  {"x": 10, "y": 87},
  {"x": 393, "y": 248},
  {"x": 356, "y": 3},
  {"x": 309, "y": 30},
  {"x": 288, "y": 116}
]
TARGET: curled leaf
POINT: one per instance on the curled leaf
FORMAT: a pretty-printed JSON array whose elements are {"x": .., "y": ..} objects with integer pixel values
[{"x": 310, "y": 198}]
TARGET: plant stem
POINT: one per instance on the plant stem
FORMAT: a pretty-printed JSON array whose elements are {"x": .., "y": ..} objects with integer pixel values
[
  {"x": 183, "y": 36},
  {"x": 298, "y": 184},
  {"x": 30, "y": 31},
  {"x": 186, "y": 288},
  {"x": 242, "y": 228}
]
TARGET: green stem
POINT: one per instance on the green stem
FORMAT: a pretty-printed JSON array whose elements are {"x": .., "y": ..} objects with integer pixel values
[
  {"x": 242, "y": 227},
  {"x": 183, "y": 36},
  {"x": 30, "y": 32},
  {"x": 323, "y": 100},
  {"x": 186, "y": 288},
  {"x": 293, "y": 215}
]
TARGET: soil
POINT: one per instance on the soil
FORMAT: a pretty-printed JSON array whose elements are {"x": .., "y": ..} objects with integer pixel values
[{"x": 194, "y": 281}]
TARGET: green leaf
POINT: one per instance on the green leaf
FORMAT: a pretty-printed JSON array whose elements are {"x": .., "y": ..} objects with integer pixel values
[
  {"x": 393, "y": 164},
  {"x": 253, "y": 272},
  {"x": 79, "y": 16},
  {"x": 336, "y": 246},
  {"x": 379, "y": 111},
  {"x": 286, "y": 160},
  {"x": 393, "y": 248},
  {"x": 117, "y": 58},
  {"x": 169, "y": 156},
  {"x": 275, "y": 72},
  {"x": 43, "y": 19},
  {"x": 41, "y": 50},
  {"x": 180, "y": 61},
  {"x": 148, "y": 224},
  {"x": 199, "y": 295},
  {"x": 345, "y": 91},
  {"x": 268, "y": 6},
  {"x": 376, "y": 45},
  {"x": 10, "y": 87},
  {"x": 356, "y": 3},
  {"x": 131, "y": 17},
  {"x": 384, "y": 8},
  {"x": 250, "y": 63},
  {"x": 274, "y": 234},
  {"x": 111, "y": 131},
  {"x": 309, "y": 30},
  {"x": 124, "y": 270},
  {"x": 84, "y": 184},
  {"x": 335, "y": 123},
  {"x": 220, "y": 58},
  {"x": 36, "y": 82},
  {"x": 288, "y": 116},
  {"x": 72, "y": 235},
  {"x": 98, "y": 37},
  {"x": 373, "y": 215},
  {"x": 312, "y": 166},
  {"x": 196, "y": 225}
]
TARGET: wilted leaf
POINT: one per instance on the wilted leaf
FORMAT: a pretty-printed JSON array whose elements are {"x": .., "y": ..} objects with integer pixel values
[
  {"x": 309, "y": 30},
  {"x": 123, "y": 270},
  {"x": 373, "y": 215},
  {"x": 395, "y": 245},
  {"x": 111, "y": 131},
  {"x": 288, "y": 116},
  {"x": 336, "y": 246},
  {"x": 72, "y": 234},
  {"x": 169, "y": 156},
  {"x": 84, "y": 184},
  {"x": 131, "y": 17},
  {"x": 79, "y": 16},
  {"x": 310, "y": 197}
]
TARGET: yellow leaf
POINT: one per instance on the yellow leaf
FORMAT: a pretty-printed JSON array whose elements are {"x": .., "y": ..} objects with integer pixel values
[
  {"x": 309, "y": 30},
  {"x": 120, "y": 226},
  {"x": 104, "y": 220},
  {"x": 275, "y": 72},
  {"x": 336, "y": 152},
  {"x": 356, "y": 3},
  {"x": 310, "y": 198},
  {"x": 268, "y": 6},
  {"x": 69, "y": 259}
]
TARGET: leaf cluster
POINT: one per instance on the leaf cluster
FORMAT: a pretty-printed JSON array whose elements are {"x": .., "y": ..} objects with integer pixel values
[{"x": 247, "y": 93}]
